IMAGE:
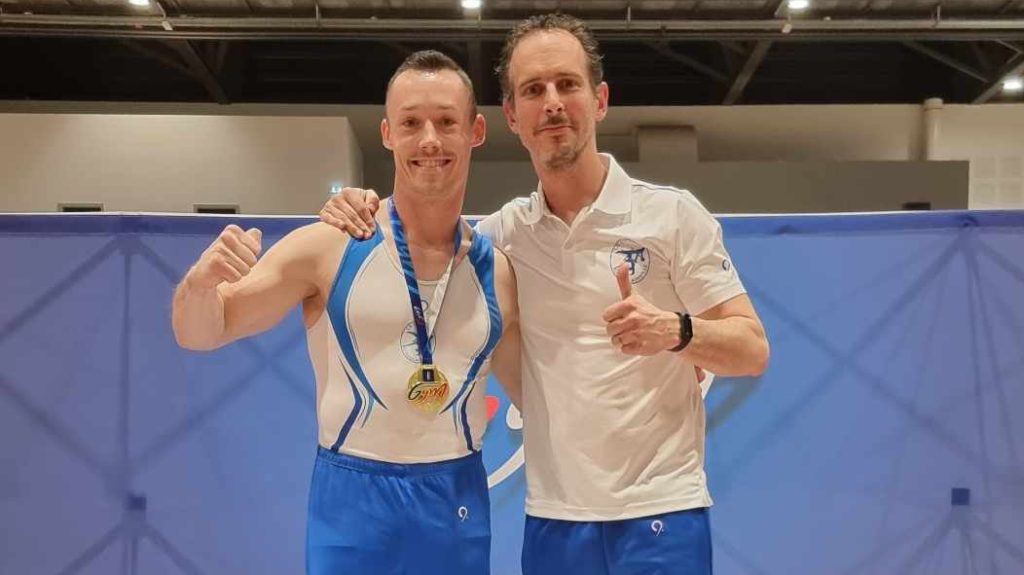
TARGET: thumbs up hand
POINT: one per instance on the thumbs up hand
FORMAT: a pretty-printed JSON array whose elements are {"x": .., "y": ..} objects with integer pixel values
[
  {"x": 228, "y": 259},
  {"x": 636, "y": 326}
]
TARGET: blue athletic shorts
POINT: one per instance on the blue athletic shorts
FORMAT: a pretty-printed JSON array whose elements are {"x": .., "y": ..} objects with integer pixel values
[
  {"x": 382, "y": 518},
  {"x": 676, "y": 543}
]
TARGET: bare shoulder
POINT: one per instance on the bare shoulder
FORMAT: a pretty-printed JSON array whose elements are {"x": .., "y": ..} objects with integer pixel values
[
  {"x": 312, "y": 241},
  {"x": 307, "y": 252},
  {"x": 320, "y": 233}
]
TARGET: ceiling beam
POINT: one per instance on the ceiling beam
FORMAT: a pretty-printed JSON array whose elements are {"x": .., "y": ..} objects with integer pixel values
[
  {"x": 231, "y": 71},
  {"x": 665, "y": 50},
  {"x": 195, "y": 65},
  {"x": 199, "y": 69},
  {"x": 477, "y": 70},
  {"x": 280, "y": 28},
  {"x": 1014, "y": 67},
  {"x": 735, "y": 47},
  {"x": 456, "y": 49},
  {"x": 1007, "y": 6},
  {"x": 220, "y": 56},
  {"x": 188, "y": 62},
  {"x": 166, "y": 59},
  {"x": 984, "y": 60},
  {"x": 739, "y": 84},
  {"x": 1010, "y": 45},
  {"x": 947, "y": 60},
  {"x": 730, "y": 58},
  {"x": 402, "y": 51},
  {"x": 174, "y": 4}
]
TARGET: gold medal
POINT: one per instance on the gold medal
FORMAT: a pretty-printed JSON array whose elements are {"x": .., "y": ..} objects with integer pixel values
[{"x": 428, "y": 388}]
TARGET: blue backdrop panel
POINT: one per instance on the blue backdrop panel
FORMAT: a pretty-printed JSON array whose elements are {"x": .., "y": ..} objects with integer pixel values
[{"x": 886, "y": 436}]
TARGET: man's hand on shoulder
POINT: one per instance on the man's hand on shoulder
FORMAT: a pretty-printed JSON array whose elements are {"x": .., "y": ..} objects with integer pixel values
[{"x": 352, "y": 211}]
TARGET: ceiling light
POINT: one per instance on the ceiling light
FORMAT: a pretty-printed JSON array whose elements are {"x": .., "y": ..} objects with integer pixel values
[
  {"x": 1015, "y": 84},
  {"x": 799, "y": 4},
  {"x": 471, "y": 4},
  {"x": 139, "y": 2}
]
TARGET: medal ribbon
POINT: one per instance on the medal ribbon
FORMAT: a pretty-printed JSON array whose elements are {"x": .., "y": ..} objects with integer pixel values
[{"x": 418, "y": 317}]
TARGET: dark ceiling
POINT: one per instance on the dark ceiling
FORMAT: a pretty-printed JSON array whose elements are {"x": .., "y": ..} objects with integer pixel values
[{"x": 656, "y": 52}]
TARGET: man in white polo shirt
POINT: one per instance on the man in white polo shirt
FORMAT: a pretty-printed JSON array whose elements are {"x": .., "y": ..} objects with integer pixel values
[{"x": 624, "y": 287}]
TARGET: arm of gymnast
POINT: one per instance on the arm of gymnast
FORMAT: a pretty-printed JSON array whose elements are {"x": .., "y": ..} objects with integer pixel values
[
  {"x": 231, "y": 293},
  {"x": 505, "y": 361}
]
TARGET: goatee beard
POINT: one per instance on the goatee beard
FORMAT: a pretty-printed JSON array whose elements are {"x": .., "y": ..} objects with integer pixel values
[{"x": 563, "y": 159}]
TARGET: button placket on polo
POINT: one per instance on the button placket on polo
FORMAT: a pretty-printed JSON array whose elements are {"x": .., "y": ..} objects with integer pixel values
[{"x": 578, "y": 227}]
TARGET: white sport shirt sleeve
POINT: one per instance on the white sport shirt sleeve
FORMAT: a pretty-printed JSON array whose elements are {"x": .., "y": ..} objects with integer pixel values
[
  {"x": 702, "y": 272},
  {"x": 491, "y": 228},
  {"x": 500, "y": 226}
]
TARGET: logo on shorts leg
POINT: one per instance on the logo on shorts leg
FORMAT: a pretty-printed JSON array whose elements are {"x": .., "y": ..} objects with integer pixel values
[
  {"x": 657, "y": 527},
  {"x": 463, "y": 513},
  {"x": 635, "y": 256}
]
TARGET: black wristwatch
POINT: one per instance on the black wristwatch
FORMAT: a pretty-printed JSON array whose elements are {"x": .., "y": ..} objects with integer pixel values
[{"x": 685, "y": 331}]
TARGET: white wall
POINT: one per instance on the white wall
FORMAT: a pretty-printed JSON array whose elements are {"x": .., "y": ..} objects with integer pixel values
[
  {"x": 989, "y": 137},
  {"x": 168, "y": 163},
  {"x": 746, "y": 187},
  {"x": 992, "y": 138},
  {"x": 787, "y": 133}
]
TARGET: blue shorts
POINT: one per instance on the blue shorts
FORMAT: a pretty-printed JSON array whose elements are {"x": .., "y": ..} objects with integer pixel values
[
  {"x": 676, "y": 543},
  {"x": 382, "y": 518}
]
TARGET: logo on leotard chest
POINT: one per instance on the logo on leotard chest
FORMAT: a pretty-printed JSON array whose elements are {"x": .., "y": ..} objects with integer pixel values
[{"x": 635, "y": 256}]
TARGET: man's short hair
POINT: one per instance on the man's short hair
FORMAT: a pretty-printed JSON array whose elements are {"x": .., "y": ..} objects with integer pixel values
[
  {"x": 434, "y": 61},
  {"x": 550, "y": 23}
]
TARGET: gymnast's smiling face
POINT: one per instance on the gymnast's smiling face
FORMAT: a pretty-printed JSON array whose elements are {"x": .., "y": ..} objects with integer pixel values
[{"x": 431, "y": 128}]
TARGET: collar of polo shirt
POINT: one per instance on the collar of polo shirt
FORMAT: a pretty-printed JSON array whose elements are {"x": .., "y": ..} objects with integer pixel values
[{"x": 614, "y": 198}]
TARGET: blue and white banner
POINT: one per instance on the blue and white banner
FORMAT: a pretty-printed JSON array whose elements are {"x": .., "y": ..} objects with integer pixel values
[{"x": 886, "y": 436}]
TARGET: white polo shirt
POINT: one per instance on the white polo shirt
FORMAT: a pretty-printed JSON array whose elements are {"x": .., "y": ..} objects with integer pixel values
[{"x": 611, "y": 436}]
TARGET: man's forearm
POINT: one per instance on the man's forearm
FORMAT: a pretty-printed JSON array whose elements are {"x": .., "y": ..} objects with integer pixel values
[
  {"x": 732, "y": 346},
  {"x": 197, "y": 316}
]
